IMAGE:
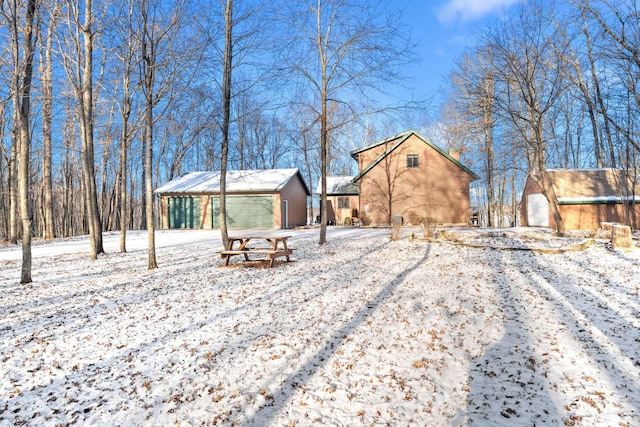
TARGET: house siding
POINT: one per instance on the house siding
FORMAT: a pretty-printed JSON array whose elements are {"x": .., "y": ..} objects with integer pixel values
[
  {"x": 437, "y": 189},
  {"x": 339, "y": 215},
  {"x": 590, "y": 216},
  {"x": 296, "y": 194}
]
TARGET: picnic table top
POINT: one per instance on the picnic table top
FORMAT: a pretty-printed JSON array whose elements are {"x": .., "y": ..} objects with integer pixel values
[{"x": 258, "y": 237}]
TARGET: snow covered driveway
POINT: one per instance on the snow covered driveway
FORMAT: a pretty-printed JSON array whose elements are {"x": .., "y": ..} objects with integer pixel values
[{"x": 361, "y": 330}]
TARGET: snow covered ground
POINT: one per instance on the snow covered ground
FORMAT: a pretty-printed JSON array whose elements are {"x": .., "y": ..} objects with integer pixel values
[{"x": 469, "y": 329}]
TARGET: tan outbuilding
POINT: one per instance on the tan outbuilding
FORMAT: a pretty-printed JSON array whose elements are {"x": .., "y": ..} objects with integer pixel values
[{"x": 586, "y": 198}]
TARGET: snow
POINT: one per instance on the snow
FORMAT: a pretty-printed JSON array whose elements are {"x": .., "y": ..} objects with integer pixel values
[
  {"x": 237, "y": 181},
  {"x": 338, "y": 185},
  {"x": 502, "y": 328}
]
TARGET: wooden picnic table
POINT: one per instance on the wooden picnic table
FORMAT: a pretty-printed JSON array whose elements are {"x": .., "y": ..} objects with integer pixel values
[{"x": 272, "y": 246}]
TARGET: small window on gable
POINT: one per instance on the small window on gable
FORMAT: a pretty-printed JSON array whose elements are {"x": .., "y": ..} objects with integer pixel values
[
  {"x": 412, "y": 161},
  {"x": 343, "y": 203}
]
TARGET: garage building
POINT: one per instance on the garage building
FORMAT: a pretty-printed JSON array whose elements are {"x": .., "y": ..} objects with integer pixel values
[{"x": 256, "y": 199}]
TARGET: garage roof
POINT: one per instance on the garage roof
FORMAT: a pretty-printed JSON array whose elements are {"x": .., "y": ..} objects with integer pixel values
[
  {"x": 581, "y": 186},
  {"x": 242, "y": 181}
]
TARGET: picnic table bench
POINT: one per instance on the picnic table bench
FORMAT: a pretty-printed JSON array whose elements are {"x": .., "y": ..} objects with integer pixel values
[{"x": 276, "y": 246}]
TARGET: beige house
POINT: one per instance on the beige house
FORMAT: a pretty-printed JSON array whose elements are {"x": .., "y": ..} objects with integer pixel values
[
  {"x": 408, "y": 178},
  {"x": 342, "y": 199},
  {"x": 586, "y": 198},
  {"x": 258, "y": 199}
]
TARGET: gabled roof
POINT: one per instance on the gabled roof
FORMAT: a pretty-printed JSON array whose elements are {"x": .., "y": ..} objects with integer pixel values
[
  {"x": 395, "y": 142},
  {"x": 582, "y": 186},
  {"x": 242, "y": 181},
  {"x": 339, "y": 185}
]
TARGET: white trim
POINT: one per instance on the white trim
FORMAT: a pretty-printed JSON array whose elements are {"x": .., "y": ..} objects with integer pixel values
[{"x": 601, "y": 199}]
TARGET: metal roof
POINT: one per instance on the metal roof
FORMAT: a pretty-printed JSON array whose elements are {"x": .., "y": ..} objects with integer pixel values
[
  {"x": 580, "y": 186},
  {"x": 241, "y": 181},
  {"x": 339, "y": 185}
]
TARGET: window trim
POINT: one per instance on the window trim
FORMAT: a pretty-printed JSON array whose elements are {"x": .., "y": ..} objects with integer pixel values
[
  {"x": 413, "y": 161},
  {"x": 341, "y": 203}
]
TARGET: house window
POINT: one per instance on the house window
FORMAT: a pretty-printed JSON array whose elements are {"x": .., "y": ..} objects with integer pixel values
[
  {"x": 412, "y": 160},
  {"x": 343, "y": 203}
]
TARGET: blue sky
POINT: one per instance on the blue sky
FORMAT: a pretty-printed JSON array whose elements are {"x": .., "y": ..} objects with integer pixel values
[{"x": 443, "y": 29}]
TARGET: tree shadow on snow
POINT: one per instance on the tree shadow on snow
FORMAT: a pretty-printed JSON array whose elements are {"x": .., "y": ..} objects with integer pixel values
[
  {"x": 511, "y": 384},
  {"x": 265, "y": 414}
]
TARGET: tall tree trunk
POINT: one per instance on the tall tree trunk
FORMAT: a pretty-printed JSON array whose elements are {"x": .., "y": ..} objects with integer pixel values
[
  {"x": 143, "y": 183},
  {"x": 68, "y": 170},
  {"x": 124, "y": 146},
  {"x": 226, "y": 106},
  {"x": 15, "y": 133},
  {"x": 47, "y": 114},
  {"x": 13, "y": 187},
  {"x": 25, "y": 142},
  {"x": 323, "y": 167},
  {"x": 86, "y": 129},
  {"x": 149, "y": 184},
  {"x": 543, "y": 180},
  {"x": 307, "y": 163},
  {"x": 487, "y": 129},
  {"x": 324, "y": 140},
  {"x": 122, "y": 172},
  {"x": 4, "y": 160},
  {"x": 514, "y": 200},
  {"x": 149, "y": 63}
]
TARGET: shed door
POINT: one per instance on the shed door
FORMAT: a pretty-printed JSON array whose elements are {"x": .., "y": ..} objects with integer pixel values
[
  {"x": 244, "y": 212},
  {"x": 184, "y": 212},
  {"x": 537, "y": 210}
]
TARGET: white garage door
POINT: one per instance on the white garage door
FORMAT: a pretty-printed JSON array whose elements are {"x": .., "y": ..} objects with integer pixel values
[{"x": 537, "y": 210}]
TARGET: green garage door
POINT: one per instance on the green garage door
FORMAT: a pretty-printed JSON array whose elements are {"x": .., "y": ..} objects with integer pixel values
[
  {"x": 184, "y": 212},
  {"x": 244, "y": 212}
]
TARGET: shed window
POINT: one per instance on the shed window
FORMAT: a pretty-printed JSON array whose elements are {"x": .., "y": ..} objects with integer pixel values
[
  {"x": 412, "y": 160},
  {"x": 343, "y": 203}
]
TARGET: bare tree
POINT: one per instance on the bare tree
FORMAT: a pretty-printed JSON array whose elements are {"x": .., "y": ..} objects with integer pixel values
[
  {"x": 10, "y": 14},
  {"x": 234, "y": 35},
  {"x": 23, "y": 69},
  {"x": 25, "y": 138},
  {"x": 528, "y": 64},
  {"x": 47, "y": 118},
  {"x": 78, "y": 64},
  {"x": 622, "y": 31},
  {"x": 126, "y": 54},
  {"x": 164, "y": 56},
  {"x": 149, "y": 47},
  {"x": 226, "y": 117},
  {"x": 305, "y": 140},
  {"x": 342, "y": 49},
  {"x": 474, "y": 82},
  {"x": 4, "y": 165}
]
